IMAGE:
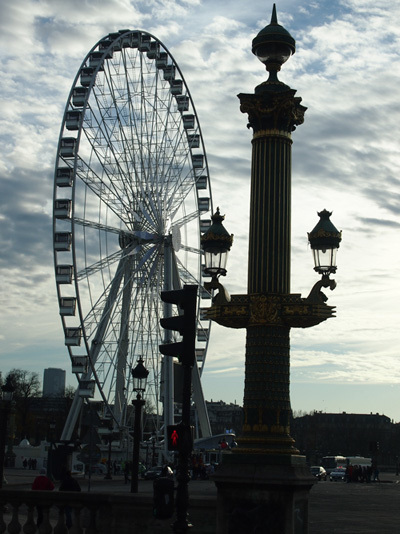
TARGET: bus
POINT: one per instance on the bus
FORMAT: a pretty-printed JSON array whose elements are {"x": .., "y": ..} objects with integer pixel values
[
  {"x": 359, "y": 460},
  {"x": 333, "y": 462}
]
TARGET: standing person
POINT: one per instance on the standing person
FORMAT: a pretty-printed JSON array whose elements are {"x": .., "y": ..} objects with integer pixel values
[
  {"x": 41, "y": 483},
  {"x": 126, "y": 472},
  {"x": 69, "y": 484}
]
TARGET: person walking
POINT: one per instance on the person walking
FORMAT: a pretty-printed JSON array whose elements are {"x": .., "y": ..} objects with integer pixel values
[{"x": 41, "y": 483}]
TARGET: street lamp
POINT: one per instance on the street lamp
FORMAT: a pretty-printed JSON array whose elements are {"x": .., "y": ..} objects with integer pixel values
[
  {"x": 324, "y": 241},
  {"x": 7, "y": 397},
  {"x": 216, "y": 244},
  {"x": 139, "y": 376}
]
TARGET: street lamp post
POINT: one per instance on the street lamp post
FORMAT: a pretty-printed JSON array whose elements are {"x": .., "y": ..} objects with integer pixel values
[
  {"x": 7, "y": 396},
  {"x": 139, "y": 376},
  {"x": 264, "y": 484},
  {"x": 109, "y": 439}
]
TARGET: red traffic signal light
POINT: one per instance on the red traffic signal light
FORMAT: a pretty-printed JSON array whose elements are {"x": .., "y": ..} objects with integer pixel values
[
  {"x": 174, "y": 437},
  {"x": 179, "y": 438}
]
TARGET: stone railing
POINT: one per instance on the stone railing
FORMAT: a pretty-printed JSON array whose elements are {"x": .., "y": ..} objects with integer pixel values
[{"x": 93, "y": 513}]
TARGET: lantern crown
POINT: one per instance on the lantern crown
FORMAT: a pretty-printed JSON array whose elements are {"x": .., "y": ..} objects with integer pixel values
[
  {"x": 325, "y": 235},
  {"x": 217, "y": 237}
]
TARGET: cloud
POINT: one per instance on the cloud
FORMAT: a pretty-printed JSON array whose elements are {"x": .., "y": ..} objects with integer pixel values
[{"x": 345, "y": 158}]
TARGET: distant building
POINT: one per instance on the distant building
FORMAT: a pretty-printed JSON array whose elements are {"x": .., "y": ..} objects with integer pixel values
[
  {"x": 225, "y": 417},
  {"x": 53, "y": 382},
  {"x": 321, "y": 434}
]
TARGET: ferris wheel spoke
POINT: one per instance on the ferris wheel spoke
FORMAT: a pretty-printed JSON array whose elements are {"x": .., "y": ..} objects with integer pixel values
[
  {"x": 185, "y": 275},
  {"x": 111, "y": 168},
  {"x": 188, "y": 218},
  {"x": 95, "y": 328},
  {"x": 105, "y": 262},
  {"x": 97, "y": 226},
  {"x": 102, "y": 190},
  {"x": 191, "y": 249},
  {"x": 118, "y": 132}
]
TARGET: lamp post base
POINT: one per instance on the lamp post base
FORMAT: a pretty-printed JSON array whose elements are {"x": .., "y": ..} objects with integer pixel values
[{"x": 263, "y": 493}]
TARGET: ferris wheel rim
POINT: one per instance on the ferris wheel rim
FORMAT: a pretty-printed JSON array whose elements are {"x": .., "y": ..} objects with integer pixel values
[{"x": 70, "y": 107}]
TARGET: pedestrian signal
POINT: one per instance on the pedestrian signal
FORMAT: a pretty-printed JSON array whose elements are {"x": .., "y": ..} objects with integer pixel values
[
  {"x": 179, "y": 438},
  {"x": 174, "y": 437}
]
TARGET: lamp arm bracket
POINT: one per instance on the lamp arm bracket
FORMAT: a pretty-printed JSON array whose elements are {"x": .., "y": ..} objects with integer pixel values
[
  {"x": 316, "y": 296},
  {"x": 222, "y": 297}
]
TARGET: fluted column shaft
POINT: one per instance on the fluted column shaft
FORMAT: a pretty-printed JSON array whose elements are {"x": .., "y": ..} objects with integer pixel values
[{"x": 269, "y": 240}]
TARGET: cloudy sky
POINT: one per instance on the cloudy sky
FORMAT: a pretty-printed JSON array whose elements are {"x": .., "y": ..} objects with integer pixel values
[{"x": 345, "y": 159}]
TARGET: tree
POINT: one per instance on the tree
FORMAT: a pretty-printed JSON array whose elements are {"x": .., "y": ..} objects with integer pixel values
[{"x": 27, "y": 387}]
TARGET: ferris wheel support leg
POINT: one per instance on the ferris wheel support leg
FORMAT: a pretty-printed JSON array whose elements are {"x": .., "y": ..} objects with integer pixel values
[
  {"x": 72, "y": 418},
  {"x": 201, "y": 408},
  {"x": 123, "y": 345},
  {"x": 168, "y": 363}
]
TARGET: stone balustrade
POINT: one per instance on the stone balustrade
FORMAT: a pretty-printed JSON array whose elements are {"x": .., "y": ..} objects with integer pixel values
[{"x": 93, "y": 513}]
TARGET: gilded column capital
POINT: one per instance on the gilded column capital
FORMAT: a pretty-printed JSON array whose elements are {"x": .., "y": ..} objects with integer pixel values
[{"x": 273, "y": 113}]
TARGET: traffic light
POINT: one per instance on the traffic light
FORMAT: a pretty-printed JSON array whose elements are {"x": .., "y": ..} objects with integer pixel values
[
  {"x": 179, "y": 438},
  {"x": 185, "y": 324}
]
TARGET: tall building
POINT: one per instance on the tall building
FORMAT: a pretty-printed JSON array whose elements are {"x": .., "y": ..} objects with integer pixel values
[{"x": 53, "y": 382}]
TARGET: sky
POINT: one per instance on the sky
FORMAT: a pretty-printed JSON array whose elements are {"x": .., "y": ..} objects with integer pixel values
[{"x": 345, "y": 158}]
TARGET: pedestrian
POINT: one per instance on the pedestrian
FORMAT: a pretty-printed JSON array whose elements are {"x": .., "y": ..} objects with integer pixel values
[
  {"x": 126, "y": 472},
  {"x": 224, "y": 444},
  {"x": 41, "y": 483},
  {"x": 69, "y": 484}
]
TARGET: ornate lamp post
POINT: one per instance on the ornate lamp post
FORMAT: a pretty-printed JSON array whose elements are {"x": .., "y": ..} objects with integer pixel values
[
  {"x": 264, "y": 483},
  {"x": 109, "y": 439},
  {"x": 7, "y": 397},
  {"x": 139, "y": 375}
]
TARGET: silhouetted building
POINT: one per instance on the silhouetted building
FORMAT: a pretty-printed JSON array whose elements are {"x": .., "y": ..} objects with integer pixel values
[
  {"x": 324, "y": 434},
  {"x": 53, "y": 382},
  {"x": 225, "y": 417}
]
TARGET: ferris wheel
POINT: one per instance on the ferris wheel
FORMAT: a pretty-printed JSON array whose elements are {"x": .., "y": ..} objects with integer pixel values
[{"x": 131, "y": 198}]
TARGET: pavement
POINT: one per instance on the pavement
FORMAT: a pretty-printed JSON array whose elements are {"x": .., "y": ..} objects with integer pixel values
[{"x": 334, "y": 507}]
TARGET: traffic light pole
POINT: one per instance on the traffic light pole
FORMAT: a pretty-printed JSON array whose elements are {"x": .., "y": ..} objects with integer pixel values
[
  {"x": 185, "y": 324},
  {"x": 183, "y": 477}
]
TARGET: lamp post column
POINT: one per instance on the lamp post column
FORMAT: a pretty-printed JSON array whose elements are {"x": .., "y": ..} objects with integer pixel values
[
  {"x": 139, "y": 376},
  {"x": 138, "y": 403}
]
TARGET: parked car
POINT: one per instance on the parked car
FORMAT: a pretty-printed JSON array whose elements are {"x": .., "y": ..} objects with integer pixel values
[
  {"x": 318, "y": 472},
  {"x": 153, "y": 473},
  {"x": 337, "y": 474}
]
